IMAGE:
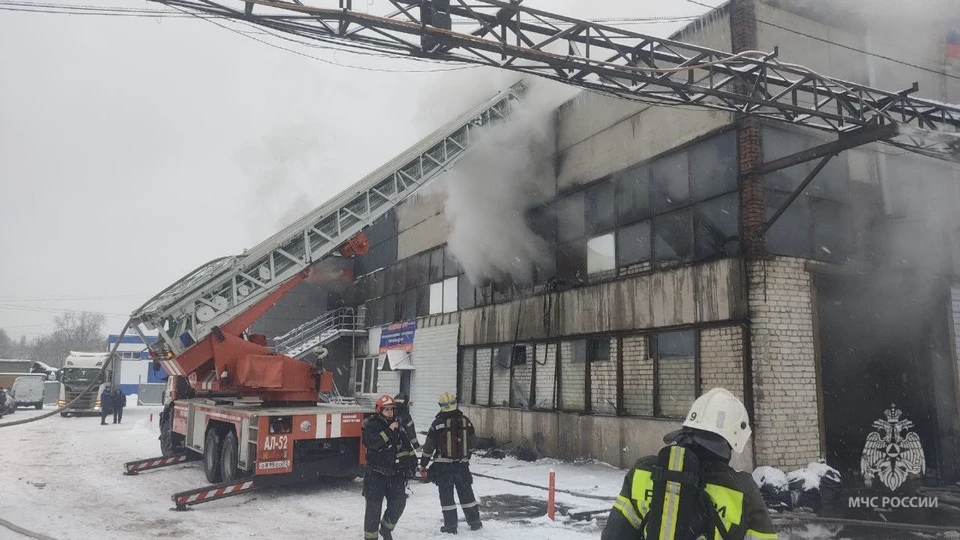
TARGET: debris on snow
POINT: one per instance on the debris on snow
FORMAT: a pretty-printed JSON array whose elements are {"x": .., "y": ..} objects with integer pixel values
[{"x": 773, "y": 476}]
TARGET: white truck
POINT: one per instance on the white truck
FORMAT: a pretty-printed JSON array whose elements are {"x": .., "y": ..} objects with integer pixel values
[
  {"x": 79, "y": 370},
  {"x": 27, "y": 391}
]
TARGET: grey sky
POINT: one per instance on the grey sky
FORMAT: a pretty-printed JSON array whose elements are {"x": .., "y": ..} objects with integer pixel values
[{"x": 134, "y": 149}]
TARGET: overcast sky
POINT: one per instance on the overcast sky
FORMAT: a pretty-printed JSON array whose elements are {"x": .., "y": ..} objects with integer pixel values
[{"x": 132, "y": 150}]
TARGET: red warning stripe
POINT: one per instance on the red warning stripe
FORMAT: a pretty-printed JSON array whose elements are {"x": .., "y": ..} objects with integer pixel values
[
  {"x": 211, "y": 494},
  {"x": 154, "y": 463}
]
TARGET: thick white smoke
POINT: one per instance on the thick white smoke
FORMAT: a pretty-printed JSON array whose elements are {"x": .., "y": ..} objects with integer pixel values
[{"x": 488, "y": 192}]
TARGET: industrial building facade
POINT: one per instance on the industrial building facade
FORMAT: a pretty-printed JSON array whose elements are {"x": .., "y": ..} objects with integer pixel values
[{"x": 662, "y": 280}]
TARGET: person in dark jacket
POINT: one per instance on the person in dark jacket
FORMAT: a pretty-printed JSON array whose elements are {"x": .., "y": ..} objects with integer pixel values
[
  {"x": 119, "y": 402},
  {"x": 716, "y": 424},
  {"x": 449, "y": 444},
  {"x": 405, "y": 418},
  {"x": 106, "y": 404},
  {"x": 386, "y": 473}
]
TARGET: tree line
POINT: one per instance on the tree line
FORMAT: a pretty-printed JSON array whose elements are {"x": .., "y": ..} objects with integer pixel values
[{"x": 73, "y": 331}]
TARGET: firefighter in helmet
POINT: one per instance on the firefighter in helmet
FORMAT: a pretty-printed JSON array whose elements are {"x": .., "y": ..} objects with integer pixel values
[
  {"x": 689, "y": 489},
  {"x": 386, "y": 474},
  {"x": 406, "y": 419},
  {"x": 449, "y": 444}
]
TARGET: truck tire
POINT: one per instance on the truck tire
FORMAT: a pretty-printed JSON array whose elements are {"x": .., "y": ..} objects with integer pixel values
[
  {"x": 171, "y": 443},
  {"x": 230, "y": 458},
  {"x": 212, "y": 444}
]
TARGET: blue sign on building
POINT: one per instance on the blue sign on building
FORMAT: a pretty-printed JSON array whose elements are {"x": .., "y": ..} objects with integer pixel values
[{"x": 398, "y": 336}]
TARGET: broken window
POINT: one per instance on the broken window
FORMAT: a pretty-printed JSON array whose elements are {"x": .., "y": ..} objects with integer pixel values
[
  {"x": 572, "y": 261},
  {"x": 672, "y": 238},
  {"x": 522, "y": 377},
  {"x": 670, "y": 182},
  {"x": 545, "y": 357},
  {"x": 633, "y": 194},
  {"x": 676, "y": 372},
  {"x": 633, "y": 243},
  {"x": 501, "y": 376},
  {"x": 465, "y": 293},
  {"x": 436, "y": 265},
  {"x": 601, "y": 254},
  {"x": 637, "y": 376},
  {"x": 717, "y": 225},
  {"x": 603, "y": 375},
  {"x": 713, "y": 166},
  {"x": 451, "y": 267},
  {"x": 570, "y": 218},
  {"x": 601, "y": 209},
  {"x": 467, "y": 357},
  {"x": 482, "y": 388},
  {"x": 572, "y": 375}
]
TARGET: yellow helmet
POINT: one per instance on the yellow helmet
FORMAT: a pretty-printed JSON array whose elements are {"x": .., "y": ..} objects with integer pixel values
[{"x": 448, "y": 402}]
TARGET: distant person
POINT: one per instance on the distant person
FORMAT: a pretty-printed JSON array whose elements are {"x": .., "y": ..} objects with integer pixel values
[
  {"x": 689, "y": 490},
  {"x": 119, "y": 402},
  {"x": 106, "y": 404},
  {"x": 449, "y": 444}
]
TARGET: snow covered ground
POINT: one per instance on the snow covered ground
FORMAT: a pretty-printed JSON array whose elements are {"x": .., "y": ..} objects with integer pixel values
[{"x": 62, "y": 478}]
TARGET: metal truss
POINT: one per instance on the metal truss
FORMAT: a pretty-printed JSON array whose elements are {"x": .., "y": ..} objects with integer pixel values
[
  {"x": 217, "y": 292},
  {"x": 611, "y": 60}
]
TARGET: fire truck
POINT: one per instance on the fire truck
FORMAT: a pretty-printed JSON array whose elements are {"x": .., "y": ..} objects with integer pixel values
[
  {"x": 251, "y": 413},
  {"x": 254, "y": 416}
]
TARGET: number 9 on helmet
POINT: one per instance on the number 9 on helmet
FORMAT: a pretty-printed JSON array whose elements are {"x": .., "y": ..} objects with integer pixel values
[{"x": 719, "y": 411}]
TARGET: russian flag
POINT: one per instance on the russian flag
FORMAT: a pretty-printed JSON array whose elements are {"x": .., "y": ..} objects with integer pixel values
[{"x": 953, "y": 43}]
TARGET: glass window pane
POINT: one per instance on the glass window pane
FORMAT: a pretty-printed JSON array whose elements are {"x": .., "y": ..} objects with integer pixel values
[
  {"x": 501, "y": 376},
  {"x": 466, "y": 375},
  {"x": 833, "y": 237},
  {"x": 673, "y": 238},
  {"x": 601, "y": 207},
  {"x": 409, "y": 273},
  {"x": 633, "y": 194},
  {"x": 436, "y": 265},
  {"x": 377, "y": 279},
  {"x": 713, "y": 166},
  {"x": 522, "y": 373},
  {"x": 451, "y": 267},
  {"x": 450, "y": 290},
  {"x": 670, "y": 182},
  {"x": 603, "y": 375},
  {"x": 633, "y": 243},
  {"x": 390, "y": 309},
  {"x": 676, "y": 373},
  {"x": 410, "y": 304},
  {"x": 572, "y": 376},
  {"x": 423, "y": 301},
  {"x": 465, "y": 293},
  {"x": 570, "y": 218},
  {"x": 482, "y": 390},
  {"x": 546, "y": 268},
  {"x": 389, "y": 279},
  {"x": 716, "y": 225},
  {"x": 790, "y": 234},
  {"x": 436, "y": 298},
  {"x": 637, "y": 376},
  {"x": 423, "y": 269},
  {"x": 546, "y": 360},
  {"x": 601, "y": 254},
  {"x": 572, "y": 261}
]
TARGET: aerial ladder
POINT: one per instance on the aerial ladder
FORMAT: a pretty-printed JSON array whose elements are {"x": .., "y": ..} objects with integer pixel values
[{"x": 245, "y": 390}]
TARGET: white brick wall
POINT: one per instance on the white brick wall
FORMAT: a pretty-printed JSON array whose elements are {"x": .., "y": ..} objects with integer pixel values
[
  {"x": 546, "y": 359},
  {"x": 603, "y": 383},
  {"x": 483, "y": 376},
  {"x": 501, "y": 379},
  {"x": 521, "y": 380},
  {"x": 466, "y": 376},
  {"x": 637, "y": 376},
  {"x": 787, "y": 432},
  {"x": 572, "y": 377},
  {"x": 435, "y": 360},
  {"x": 677, "y": 385},
  {"x": 721, "y": 359}
]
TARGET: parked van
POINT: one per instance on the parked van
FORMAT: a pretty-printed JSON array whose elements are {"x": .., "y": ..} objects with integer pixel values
[{"x": 28, "y": 391}]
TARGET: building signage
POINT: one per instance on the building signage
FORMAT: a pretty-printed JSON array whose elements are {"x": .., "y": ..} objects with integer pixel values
[{"x": 398, "y": 337}]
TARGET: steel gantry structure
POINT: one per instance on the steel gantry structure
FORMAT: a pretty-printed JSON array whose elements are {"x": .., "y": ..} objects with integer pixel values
[{"x": 513, "y": 36}]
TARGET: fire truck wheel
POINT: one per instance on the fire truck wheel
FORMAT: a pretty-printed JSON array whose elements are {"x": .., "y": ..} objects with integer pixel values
[
  {"x": 230, "y": 458},
  {"x": 171, "y": 443},
  {"x": 211, "y": 455}
]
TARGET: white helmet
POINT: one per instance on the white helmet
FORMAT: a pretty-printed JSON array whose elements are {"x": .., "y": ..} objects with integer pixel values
[{"x": 718, "y": 411}]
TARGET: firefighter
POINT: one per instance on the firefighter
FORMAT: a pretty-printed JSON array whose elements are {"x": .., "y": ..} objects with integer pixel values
[
  {"x": 405, "y": 419},
  {"x": 689, "y": 488},
  {"x": 386, "y": 476},
  {"x": 449, "y": 443}
]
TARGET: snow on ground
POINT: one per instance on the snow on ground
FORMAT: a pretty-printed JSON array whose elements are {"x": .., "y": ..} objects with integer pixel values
[{"x": 67, "y": 477}]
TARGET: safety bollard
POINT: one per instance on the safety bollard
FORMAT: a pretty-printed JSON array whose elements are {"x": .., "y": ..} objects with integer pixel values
[{"x": 550, "y": 495}]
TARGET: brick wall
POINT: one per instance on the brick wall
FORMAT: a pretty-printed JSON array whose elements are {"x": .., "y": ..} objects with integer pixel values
[
  {"x": 603, "y": 383},
  {"x": 721, "y": 359},
  {"x": 637, "y": 377},
  {"x": 572, "y": 377},
  {"x": 483, "y": 376},
  {"x": 466, "y": 376},
  {"x": 546, "y": 359},
  {"x": 677, "y": 385},
  {"x": 522, "y": 375},
  {"x": 501, "y": 379},
  {"x": 786, "y": 420}
]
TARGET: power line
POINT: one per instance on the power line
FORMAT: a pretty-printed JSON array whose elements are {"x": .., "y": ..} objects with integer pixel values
[{"x": 56, "y": 310}]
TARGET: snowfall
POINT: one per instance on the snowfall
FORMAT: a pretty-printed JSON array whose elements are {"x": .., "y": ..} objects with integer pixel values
[{"x": 62, "y": 478}]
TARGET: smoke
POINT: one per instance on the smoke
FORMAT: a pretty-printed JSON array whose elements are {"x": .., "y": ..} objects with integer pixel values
[{"x": 508, "y": 171}]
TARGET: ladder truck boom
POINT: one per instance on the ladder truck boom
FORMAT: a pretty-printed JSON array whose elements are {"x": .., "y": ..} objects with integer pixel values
[
  {"x": 207, "y": 309},
  {"x": 613, "y": 61}
]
